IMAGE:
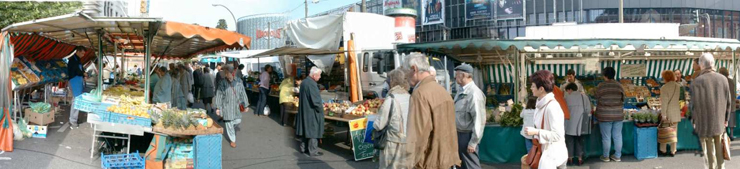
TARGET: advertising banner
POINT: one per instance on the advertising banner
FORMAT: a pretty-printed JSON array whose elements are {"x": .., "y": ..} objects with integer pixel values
[
  {"x": 405, "y": 30},
  {"x": 391, "y": 4},
  {"x": 432, "y": 12},
  {"x": 509, "y": 9},
  {"x": 478, "y": 9}
]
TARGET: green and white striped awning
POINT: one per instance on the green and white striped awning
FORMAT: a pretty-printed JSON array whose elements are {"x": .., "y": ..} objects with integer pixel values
[{"x": 503, "y": 73}]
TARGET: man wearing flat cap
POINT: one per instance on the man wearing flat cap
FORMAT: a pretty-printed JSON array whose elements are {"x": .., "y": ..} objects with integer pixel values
[{"x": 470, "y": 116}]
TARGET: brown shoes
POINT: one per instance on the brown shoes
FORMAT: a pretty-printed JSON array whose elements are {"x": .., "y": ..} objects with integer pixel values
[{"x": 233, "y": 144}]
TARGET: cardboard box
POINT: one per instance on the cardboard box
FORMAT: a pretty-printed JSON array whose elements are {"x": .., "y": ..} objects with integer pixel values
[
  {"x": 40, "y": 119},
  {"x": 38, "y": 131}
]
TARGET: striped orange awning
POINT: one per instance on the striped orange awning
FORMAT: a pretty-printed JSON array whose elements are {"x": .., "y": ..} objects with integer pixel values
[{"x": 35, "y": 47}]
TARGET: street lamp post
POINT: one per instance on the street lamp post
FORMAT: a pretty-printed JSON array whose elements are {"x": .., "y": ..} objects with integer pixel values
[{"x": 232, "y": 14}]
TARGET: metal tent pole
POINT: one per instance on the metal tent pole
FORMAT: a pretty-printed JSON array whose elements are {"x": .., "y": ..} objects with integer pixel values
[
  {"x": 147, "y": 59},
  {"x": 100, "y": 62}
]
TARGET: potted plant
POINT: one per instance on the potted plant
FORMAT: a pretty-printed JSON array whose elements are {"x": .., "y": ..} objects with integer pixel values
[{"x": 655, "y": 118}]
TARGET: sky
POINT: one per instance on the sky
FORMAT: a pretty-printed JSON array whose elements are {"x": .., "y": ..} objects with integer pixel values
[{"x": 203, "y": 13}]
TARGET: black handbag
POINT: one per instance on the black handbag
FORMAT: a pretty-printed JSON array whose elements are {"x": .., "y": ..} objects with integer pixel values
[{"x": 380, "y": 137}]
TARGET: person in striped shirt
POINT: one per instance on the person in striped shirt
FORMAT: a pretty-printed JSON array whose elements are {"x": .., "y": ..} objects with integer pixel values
[{"x": 609, "y": 112}]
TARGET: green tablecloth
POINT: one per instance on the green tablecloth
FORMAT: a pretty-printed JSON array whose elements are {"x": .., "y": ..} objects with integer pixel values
[{"x": 506, "y": 145}]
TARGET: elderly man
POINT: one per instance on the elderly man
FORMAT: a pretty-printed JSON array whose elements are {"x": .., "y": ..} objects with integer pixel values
[
  {"x": 431, "y": 128},
  {"x": 711, "y": 105},
  {"x": 163, "y": 89},
  {"x": 470, "y": 116},
  {"x": 310, "y": 118},
  {"x": 571, "y": 78},
  {"x": 679, "y": 77}
]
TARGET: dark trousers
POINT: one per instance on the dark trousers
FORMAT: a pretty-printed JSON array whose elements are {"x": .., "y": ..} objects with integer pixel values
[
  {"x": 283, "y": 113},
  {"x": 469, "y": 160},
  {"x": 574, "y": 145},
  {"x": 310, "y": 146},
  {"x": 262, "y": 101}
]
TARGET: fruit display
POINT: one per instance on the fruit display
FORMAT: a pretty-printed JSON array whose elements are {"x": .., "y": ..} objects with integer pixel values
[
  {"x": 122, "y": 90},
  {"x": 361, "y": 110},
  {"x": 652, "y": 83},
  {"x": 18, "y": 65},
  {"x": 131, "y": 106},
  {"x": 32, "y": 78},
  {"x": 625, "y": 81},
  {"x": 295, "y": 101},
  {"x": 373, "y": 103},
  {"x": 634, "y": 91},
  {"x": 175, "y": 119},
  {"x": 18, "y": 78},
  {"x": 336, "y": 107}
]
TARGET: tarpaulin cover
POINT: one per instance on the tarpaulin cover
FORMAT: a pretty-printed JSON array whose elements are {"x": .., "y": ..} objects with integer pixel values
[
  {"x": 6, "y": 127},
  {"x": 35, "y": 47}
]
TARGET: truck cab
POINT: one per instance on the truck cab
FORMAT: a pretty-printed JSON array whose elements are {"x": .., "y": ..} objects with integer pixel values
[{"x": 374, "y": 67}]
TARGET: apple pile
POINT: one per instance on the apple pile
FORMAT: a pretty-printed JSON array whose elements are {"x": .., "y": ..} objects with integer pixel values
[
  {"x": 361, "y": 110},
  {"x": 373, "y": 103}
]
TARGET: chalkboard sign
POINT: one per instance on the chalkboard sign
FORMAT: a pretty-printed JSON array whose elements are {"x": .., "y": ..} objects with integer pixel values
[{"x": 361, "y": 149}]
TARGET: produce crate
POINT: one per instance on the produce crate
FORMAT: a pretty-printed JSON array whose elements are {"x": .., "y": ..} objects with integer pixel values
[
  {"x": 646, "y": 142},
  {"x": 207, "y": 151},
  {"x": 121, "y": 161},
  {"x": 90, "y": 106},
  {"x": 112, "y": 117}
]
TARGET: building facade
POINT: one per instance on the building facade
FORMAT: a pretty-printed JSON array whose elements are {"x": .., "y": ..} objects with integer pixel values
[
  {"x": 265, "y": 29},
  {"x": 108, "y": 8},
  {"x": 506, "y": 19}
]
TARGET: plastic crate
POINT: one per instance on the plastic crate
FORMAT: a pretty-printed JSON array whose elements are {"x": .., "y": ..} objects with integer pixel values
[
  {"x": 646, "y": 142},
  {"x": 89, "y": 106},
  {"x": 122, "y": 161},
  {"x": 112, "y": 117},
  {"x": 207, "y": 151}
]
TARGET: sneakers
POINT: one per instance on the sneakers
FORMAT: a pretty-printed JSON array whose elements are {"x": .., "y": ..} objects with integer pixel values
[
  {"x": 604, "y": 159},
  {"x": 615, "y": 159}
]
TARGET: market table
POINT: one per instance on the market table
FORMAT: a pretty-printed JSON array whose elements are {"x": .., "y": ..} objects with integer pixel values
[
  {"x": 506, "y": 145},
  {"x": 99, "y": 126}
]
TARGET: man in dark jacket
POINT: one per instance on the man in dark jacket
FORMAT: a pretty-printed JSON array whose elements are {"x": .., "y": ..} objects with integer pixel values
[
  {"x": 76, "y": 80},
  {"x": 197, "y": 80},
  {"x": 310, "y": 118}
]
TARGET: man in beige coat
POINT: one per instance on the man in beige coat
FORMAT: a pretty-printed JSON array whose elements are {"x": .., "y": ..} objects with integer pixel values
[
  {"x": 710, "y": 95},
  {"x": 432, "y": 135}
]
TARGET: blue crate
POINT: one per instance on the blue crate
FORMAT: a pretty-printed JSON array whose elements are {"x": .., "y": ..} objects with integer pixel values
[
  {"x": 112, "y": 117},
  {"x": 207, "y": 151},
  {"x": 90, "y": 106},
  {"x": 122, "y": 161},
  {"x": 646, "y": 142}
]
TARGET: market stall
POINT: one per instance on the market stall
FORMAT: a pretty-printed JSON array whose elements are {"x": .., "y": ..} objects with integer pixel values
[
  {"x": 638, "y": 60},
  {"x": 123, "y": 109}
]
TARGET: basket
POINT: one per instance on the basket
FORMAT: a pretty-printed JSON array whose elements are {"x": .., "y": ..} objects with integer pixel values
[
  {"x": 646, "y": 142},
  {"x": 216, "y": 129},
  {"x": 207, "y": 151},
  {"x": 121, "y": 161},
  {"x": 112, "y": 117}
]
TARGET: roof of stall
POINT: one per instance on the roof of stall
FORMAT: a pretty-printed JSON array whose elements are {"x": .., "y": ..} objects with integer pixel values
[
  {"x": 296, "y": 51},
  {"x": 170, "y": 40},
  {"x": 469, "y": 50}
]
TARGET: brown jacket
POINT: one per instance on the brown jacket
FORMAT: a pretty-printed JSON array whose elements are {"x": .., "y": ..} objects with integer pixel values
[
  {"x": 432, "y": 134},
  {"x": 710, "y": 103}
]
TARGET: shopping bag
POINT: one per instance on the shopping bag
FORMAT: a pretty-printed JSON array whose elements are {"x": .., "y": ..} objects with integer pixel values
[
  {"x": 6, "y": 132},
  {"x": 726, "y": 146},
  {"x": 267, "y": 110}
]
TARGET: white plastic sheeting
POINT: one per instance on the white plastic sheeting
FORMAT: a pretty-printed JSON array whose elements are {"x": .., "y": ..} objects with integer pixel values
[{"x": 371, "y": 31}]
